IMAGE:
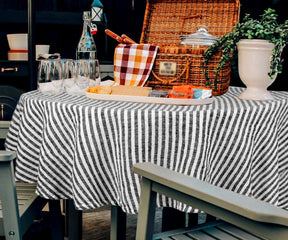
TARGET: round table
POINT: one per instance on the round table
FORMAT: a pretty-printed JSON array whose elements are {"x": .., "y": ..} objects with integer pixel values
[{"x": 82, "y": 149}]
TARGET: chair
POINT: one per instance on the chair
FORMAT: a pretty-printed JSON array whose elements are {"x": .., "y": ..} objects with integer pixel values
[
  {"x": 19, "y": 204},
  {"x": 241, "y": 217}
]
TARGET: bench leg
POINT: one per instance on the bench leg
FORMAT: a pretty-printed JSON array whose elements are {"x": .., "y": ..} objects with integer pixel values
[
  {"x": 146, "y": 215},
  {"x": 118, "y": 224},
  {"x": 73, "y": 221},
  {"x": 9, "y": 202}
]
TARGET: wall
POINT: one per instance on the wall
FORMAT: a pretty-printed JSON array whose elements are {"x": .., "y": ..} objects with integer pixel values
[{"x": 124, "y": 16}]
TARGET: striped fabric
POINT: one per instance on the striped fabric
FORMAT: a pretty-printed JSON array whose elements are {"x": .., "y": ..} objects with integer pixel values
[
  {"x": 133, "y": 63},
  {"x": 78, "y": 148}
]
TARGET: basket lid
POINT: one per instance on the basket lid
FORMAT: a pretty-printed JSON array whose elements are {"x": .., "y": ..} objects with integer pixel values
[{"x": 166, "y": 20}]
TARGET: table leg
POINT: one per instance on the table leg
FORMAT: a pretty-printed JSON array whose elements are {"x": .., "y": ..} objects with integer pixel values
[
  {"x": 73, "y": 221},
  {"x": 118, "y": 224},
  {"x": 56, "y": 219}
]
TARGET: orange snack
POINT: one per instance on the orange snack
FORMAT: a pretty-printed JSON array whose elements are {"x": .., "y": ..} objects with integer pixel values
[
  {"x": 184, "y": 92},
  {"x": 100, "y": 89},
  {"x": 183, "y": 88}
]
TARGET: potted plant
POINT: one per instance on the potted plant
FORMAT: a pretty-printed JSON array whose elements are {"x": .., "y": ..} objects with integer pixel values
[{"x": 260, "y": 44}]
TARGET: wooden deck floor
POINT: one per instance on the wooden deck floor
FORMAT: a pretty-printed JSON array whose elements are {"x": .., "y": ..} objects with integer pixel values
[{"x": 96, "y": 224}]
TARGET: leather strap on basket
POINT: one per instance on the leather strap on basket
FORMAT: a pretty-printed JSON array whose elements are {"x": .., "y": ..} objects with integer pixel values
[
  {"x": 166, "y": 82},
  {"x": 192, "y": 16}
]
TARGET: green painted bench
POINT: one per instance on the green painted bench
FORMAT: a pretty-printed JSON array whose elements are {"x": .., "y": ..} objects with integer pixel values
[
  {"x": 241, "y": 217},
  {"x": 19, "y": 204}
]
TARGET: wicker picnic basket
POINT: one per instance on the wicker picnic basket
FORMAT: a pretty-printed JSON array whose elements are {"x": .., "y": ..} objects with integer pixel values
[{"x": 166, "y": 20}]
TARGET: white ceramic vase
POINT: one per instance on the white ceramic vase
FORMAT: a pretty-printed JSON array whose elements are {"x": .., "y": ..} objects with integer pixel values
[{"x": 254, "y": 64}]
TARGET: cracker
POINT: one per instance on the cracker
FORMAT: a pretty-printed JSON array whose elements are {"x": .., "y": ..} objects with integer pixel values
[{"x": 100, "y": 89}]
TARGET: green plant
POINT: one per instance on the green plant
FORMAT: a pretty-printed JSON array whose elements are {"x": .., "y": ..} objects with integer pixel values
[{"x": 266, "y": 28}]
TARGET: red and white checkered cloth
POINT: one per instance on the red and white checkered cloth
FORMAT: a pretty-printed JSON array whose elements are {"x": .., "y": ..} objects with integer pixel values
[{"x": 133, "y": 63}]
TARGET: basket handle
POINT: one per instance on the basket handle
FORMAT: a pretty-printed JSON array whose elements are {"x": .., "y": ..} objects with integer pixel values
[
  {"x": 166, "y": 82},
  {"x": 189, "y": 17}
]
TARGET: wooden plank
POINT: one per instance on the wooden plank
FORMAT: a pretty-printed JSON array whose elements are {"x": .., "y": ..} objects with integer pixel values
[
  {"x": 186, "y": 230},
  {"x": 198, "y": 235},
  {"x": 146, "y": 214},
  {"x": 23, "y": 207},
  {"x": 9, "y": 199},
  {"x": 218, "y": 234},
  {"x": 143, "y": 99},
  {"x": 218, "y": 198},
  {"x": 131, "y": 90},
  {"x": 7, "y": 156},
  {"x": 25, "y": 195},
  {"x": 1, "y": 225},
  {"x": 237, "y": 232},
  {"x": 4, "y": 124},
  {"x": 26, "y": 185},
  {"x": 23, "y": 201},
  {"x": 181, "y": 237}
]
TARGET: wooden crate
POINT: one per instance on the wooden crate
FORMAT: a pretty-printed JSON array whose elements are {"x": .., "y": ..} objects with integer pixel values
[{"x": 166, "y": 20}]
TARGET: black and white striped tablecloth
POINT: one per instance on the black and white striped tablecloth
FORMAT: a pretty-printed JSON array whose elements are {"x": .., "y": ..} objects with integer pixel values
[{"x": 83, "y": 149}]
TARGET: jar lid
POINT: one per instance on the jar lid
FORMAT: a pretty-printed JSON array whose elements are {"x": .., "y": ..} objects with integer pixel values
[{"x": 200, "y": 38}]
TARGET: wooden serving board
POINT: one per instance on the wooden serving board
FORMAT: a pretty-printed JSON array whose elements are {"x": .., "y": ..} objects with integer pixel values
[
  {"x": 143, "y": 99},
  {"x": 131, "y": 91}
]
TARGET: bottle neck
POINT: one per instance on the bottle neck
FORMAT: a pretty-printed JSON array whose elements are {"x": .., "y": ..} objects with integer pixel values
[{"x": 86, "y": 27}]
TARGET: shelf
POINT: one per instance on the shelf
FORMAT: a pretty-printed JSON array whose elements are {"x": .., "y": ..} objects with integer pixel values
[
  {"x": 13, "y": 62},
  {"x": 43, "y": 17}
]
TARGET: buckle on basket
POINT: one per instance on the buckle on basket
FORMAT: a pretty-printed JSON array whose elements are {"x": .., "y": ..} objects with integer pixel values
[
  {"x": 167, "y": 82},
  {"x": 167, "y": 68}
]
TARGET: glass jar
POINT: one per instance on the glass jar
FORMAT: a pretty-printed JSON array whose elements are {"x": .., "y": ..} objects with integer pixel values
[{"x": 201, "y": 38}]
